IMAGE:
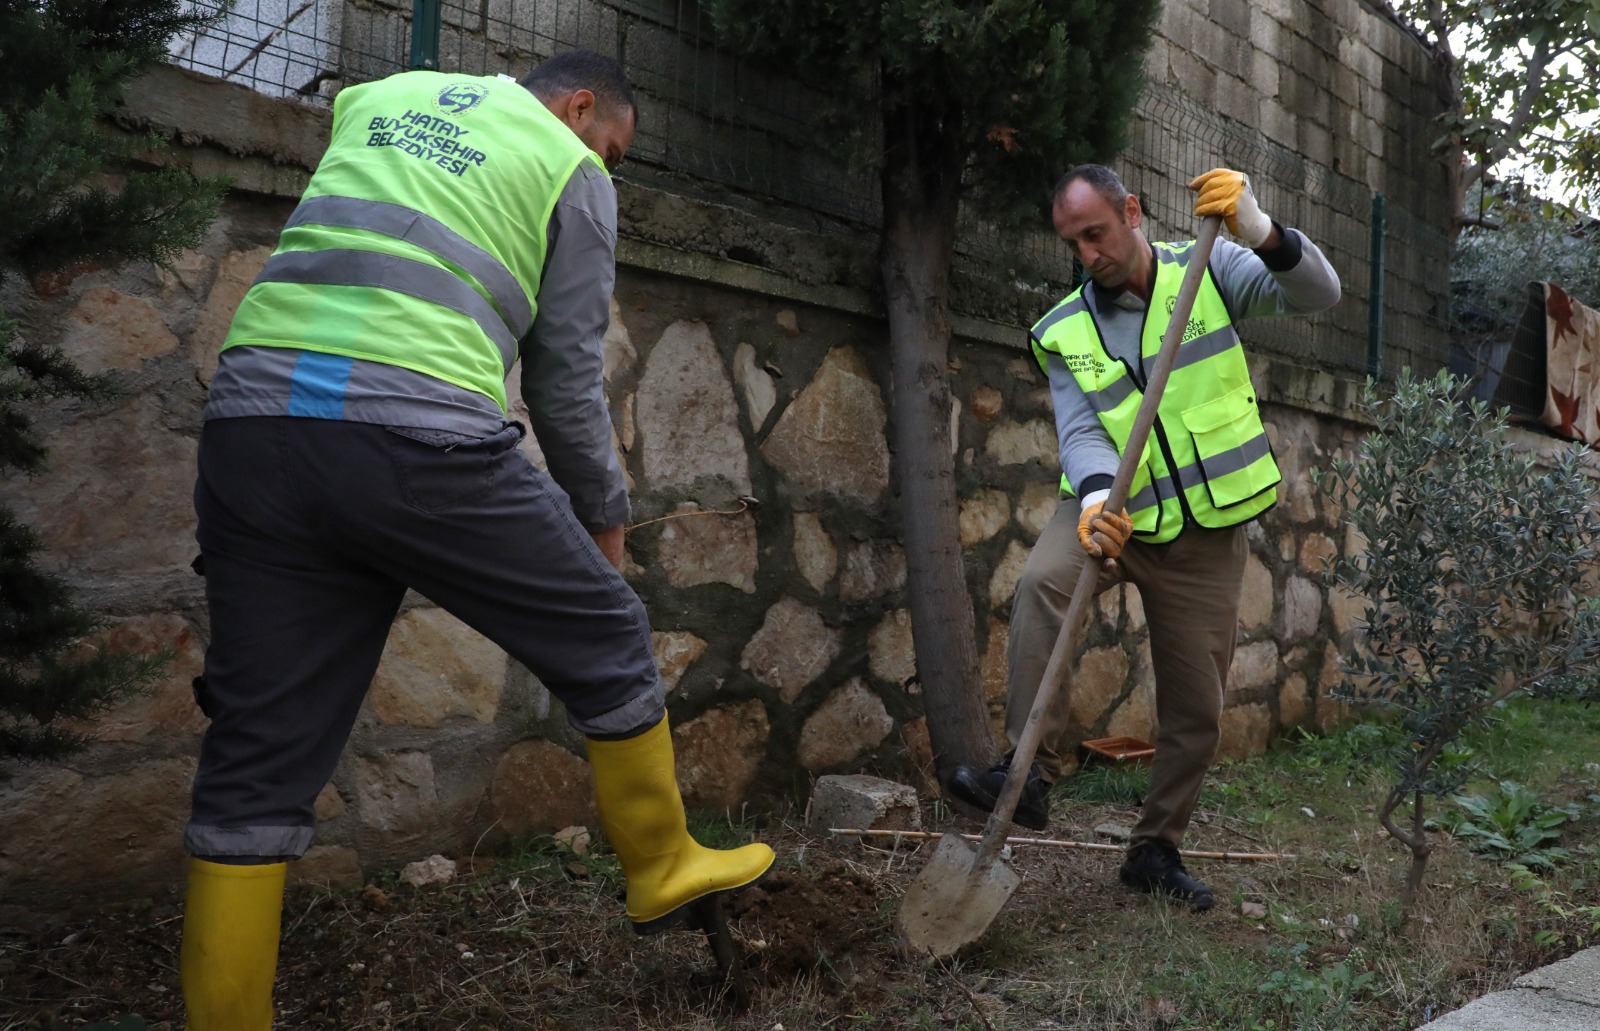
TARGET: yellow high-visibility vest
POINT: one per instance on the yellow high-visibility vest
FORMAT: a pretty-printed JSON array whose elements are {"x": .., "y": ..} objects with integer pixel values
[
  {"x": 1207, "y": 460},
  {"x": 420, "y": 240}
]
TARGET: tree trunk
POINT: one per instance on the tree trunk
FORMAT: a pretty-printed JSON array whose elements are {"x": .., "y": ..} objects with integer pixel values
[
  {"x": 921, "y": 193},
  {"x": 1416, "y": 839}
]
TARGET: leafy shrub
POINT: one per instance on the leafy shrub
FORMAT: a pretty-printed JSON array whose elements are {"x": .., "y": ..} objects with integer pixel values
[{"x": 1492, "y": 267}]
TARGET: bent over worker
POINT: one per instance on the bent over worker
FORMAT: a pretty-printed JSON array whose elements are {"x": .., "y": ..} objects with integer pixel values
[
  {"x": 1207, "y": 471},
  {"x": 356, "y": 444}
]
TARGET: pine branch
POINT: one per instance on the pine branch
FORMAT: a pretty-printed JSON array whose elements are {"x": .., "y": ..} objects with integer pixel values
[{"x": 70, "y": 197}]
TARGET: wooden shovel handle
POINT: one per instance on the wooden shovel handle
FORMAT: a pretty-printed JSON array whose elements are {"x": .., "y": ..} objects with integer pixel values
[
  {"x": 1090, "y": 846},
  {"x": 1058, "y": 670}
]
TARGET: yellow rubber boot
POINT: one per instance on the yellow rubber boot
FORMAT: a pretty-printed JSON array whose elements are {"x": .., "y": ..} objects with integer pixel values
[
  {"x": 641, "y": 812},
  {"x": 230, "y": 945}
]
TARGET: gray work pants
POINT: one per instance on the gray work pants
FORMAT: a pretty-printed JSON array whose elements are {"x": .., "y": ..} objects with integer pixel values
[
  {"x": 310, "y": 531},
  {"x": 1190, "y": 589}
]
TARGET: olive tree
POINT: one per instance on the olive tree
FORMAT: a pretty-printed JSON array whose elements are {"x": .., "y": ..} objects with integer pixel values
[{"x": 1472, "y": 575}]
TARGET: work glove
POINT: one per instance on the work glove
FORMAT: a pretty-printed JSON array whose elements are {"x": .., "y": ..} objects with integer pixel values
[
  {"x": 1102, "y": 533},
  {"x": 1227, "y": 193}
]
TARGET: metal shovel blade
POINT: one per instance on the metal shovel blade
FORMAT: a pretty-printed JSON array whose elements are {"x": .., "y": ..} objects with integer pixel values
[{"x": 953, "y": 900}]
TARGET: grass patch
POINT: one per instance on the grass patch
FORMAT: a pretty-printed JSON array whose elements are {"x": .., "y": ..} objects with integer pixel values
[
  {"x": 1547, "y": 746},
  {"x": 1115, "y": 783}
]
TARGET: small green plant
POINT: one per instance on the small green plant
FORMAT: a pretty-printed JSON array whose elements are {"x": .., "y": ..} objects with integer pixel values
[
  {"x": 1471, "y": 577},
  {"x": 1580, "y": 920},
  {"x": 537, "y": 854},
  {"x": 721, "y": 831},
  {"x": 1307, "y": 992},
  {"x": 1509, "y": 823}
]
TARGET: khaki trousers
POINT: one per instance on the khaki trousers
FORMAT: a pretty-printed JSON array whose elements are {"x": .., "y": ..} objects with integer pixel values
[{"x": 1190, "y": 588}]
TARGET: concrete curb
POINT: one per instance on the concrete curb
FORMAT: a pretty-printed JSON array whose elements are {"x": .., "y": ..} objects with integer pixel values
[{"x": 1563, "y": 996}]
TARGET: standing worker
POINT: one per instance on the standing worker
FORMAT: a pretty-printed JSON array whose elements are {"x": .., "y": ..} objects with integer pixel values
[
  {"x": 1208, "y": 470},
  {"x": 356, "y": 444}
]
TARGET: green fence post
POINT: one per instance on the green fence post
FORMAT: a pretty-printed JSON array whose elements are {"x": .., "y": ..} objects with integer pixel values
[
  {"x": 1380, "y": 219},
  {"x": 425, "y": 35}
]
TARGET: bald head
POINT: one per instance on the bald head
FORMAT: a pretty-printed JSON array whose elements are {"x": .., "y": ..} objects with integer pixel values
[{"x": 1101, "y": 179}]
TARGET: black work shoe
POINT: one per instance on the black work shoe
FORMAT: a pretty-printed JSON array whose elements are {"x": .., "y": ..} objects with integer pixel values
[
  {"x": 981, "y": 788},
  {"x": 1156, "y": 868}
]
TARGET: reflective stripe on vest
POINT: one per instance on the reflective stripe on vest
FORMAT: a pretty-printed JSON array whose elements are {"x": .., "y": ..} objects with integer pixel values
[
  {"x": 1208, "y": 460},
  {"x": 390, "y": 272},
  {"x": 430, "y": 234},
  {"x": 420, "y": 241}
]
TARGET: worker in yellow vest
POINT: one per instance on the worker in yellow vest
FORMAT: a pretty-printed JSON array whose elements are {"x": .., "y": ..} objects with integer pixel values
[
  {"x": 356, "y": 444},
  {"x": 1206, "y": 471}
]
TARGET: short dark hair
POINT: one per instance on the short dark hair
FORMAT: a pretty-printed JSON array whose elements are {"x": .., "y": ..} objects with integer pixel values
[
  {"x": 573, "y": 70},
  {"x": 1103, "y": 180}
]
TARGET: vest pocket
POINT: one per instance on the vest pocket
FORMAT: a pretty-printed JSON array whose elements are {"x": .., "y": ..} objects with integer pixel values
[{"x": 1231, "y": 447}]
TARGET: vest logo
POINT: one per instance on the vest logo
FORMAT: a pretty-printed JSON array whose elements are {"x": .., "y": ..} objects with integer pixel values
[
  {"x": 1196, "y": 326},
  {"x": 459, "y": 98}
]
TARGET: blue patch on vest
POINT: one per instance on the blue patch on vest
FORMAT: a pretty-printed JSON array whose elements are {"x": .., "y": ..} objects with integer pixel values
[{"x": 316, "y": 390}]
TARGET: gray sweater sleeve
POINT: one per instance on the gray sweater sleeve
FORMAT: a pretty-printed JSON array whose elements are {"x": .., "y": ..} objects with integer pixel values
[
  {"x": 1294, "y": 279},
  {"x": 563, "y": 355},
  {"x": 1253, "y": 289}
]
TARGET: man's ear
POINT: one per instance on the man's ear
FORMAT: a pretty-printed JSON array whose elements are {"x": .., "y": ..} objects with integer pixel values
[
  {"x": 1132, "y": 212},
  {"x": 580, "y": 108}
]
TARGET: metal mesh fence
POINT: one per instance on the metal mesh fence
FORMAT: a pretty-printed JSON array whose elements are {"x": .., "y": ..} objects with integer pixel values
[
  {"x": 721, "y": 125},
  {"x": 715, "y": 125},
  {"x": 1176, "y": 138},
  {"x": 1416, "y": 295}
]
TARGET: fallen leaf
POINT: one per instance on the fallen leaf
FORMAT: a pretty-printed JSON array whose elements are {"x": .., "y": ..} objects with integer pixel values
[
  {"x": 1005, "y": 135},
  {"x": 1161, "y": 1010}
]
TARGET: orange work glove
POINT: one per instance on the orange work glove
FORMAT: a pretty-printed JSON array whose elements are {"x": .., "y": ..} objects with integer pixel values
[
  {"x": 1102, "y": 533},
  {"x": 1227, "y": 193}
]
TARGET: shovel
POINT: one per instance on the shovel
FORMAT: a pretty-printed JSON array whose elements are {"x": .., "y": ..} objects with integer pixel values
[{"x": 959, "y": 893}]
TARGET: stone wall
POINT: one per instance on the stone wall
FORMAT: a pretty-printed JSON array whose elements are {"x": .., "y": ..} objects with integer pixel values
[
  {"x": 749, "y": 402},
  {"x": 1338, "y": 82}
]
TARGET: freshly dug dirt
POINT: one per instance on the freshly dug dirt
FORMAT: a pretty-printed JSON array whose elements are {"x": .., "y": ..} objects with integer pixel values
[{"x": 504, "y": 948}]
